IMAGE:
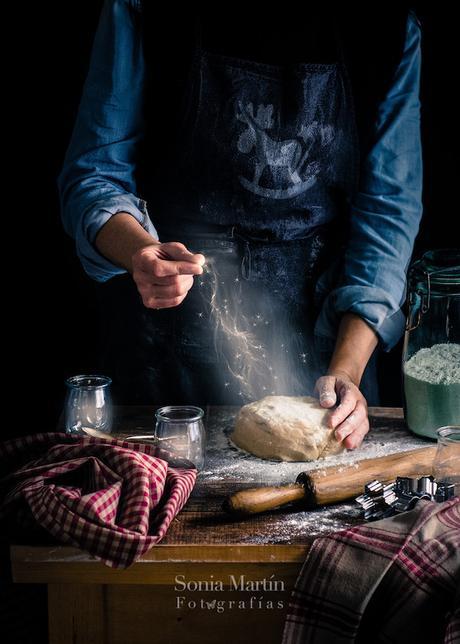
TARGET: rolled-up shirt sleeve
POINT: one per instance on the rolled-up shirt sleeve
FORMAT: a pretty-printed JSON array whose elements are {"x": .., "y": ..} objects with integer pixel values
[
  {"x": 385, "y": 213},
  {"x": 98, "y": 176}
]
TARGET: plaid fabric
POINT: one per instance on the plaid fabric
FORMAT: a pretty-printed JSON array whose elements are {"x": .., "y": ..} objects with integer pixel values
[
  {"x": 395, "y": 580},
  {"x": 111, "y": 498}
]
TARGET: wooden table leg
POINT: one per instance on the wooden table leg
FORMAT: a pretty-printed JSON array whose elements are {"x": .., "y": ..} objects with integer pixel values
[{"x": 76, "y": 613}]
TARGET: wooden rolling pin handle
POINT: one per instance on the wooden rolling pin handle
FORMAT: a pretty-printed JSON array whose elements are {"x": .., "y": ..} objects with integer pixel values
[
  {"x": 335, "y": 484},
  {"x": 262, "y": 499},
  {"x": 332, "y": 484}
]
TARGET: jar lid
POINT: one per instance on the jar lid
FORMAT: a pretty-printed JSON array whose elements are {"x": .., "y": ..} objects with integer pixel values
[{"x": 437, "y": 268}]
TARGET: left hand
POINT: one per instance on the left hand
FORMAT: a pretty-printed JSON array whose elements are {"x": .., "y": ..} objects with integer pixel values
[{"x": 349, "y": 418}]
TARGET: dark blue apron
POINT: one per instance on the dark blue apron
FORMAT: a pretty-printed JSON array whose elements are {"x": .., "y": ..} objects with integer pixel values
[{"x": 259, "y": 182}]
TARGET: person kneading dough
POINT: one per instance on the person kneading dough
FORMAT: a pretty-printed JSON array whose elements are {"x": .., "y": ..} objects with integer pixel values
[{"x": 285, "y": 428}]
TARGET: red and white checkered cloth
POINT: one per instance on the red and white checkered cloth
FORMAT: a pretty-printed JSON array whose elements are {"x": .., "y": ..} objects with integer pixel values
[
  {"x": 109, "y": 497},
  {"x": 393, "y": 581}
]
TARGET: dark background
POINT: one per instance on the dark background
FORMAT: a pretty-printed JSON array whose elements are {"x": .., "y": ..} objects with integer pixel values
[
  {"x": 50, "y": 325},
  {"x": 53, "y": 328}
]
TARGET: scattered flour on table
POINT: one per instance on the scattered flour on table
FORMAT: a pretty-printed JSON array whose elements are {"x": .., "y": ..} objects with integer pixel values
[
  {"x": 308, "y": 524},
  {"x": 438, "y": 365},
  {"x": 226, "y": 461}
]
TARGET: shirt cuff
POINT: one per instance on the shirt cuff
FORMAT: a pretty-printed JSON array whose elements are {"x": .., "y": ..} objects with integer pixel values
[
  {"x": 95, "y": 265},
  {"x": 371, "y": 304}
]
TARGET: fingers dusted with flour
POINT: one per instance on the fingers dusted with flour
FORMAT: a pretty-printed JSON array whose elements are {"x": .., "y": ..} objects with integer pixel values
[
  {"x": 349, "y": 417},
  {"x": 325, "y": 388},
  {"x": 164, "y": 273},
  {"x": 339, "y": 389}
]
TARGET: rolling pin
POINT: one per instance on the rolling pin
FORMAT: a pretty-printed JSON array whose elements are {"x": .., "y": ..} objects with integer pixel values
[{"x": 332, "y": 484}]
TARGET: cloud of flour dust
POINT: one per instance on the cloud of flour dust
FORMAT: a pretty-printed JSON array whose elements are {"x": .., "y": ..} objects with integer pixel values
[{"x": 259, "y": 347}]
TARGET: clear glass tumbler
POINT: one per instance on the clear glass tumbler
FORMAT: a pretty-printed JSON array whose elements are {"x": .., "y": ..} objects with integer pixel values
[
  {"x": 179, "y": 429},
  {"x": 446, "y": 465},
  {"x": 88, "y": 404}
]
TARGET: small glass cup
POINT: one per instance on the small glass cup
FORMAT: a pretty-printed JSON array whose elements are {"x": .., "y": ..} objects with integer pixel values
[
  {"x": 446, "y": 465},
  {"x": 88, "y": 404},
  {"x": 179, "y": 429}
]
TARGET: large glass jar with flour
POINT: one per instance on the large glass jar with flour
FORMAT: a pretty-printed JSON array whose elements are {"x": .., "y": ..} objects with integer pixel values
[{"x": 431, "y": 355}]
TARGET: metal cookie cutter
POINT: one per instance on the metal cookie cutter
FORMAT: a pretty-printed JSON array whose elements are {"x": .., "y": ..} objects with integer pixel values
[{"x": 383, "y": 500}]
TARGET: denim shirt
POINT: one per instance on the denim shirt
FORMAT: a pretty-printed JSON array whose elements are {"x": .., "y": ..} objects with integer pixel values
[{"x": 98, "y": 177}]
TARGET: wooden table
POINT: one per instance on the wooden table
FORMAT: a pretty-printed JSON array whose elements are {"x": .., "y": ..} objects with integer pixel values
[{"x": 89, "y": 602}]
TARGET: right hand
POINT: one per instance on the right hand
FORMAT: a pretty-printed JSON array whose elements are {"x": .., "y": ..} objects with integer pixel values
[{"x": 164, "y": 273}]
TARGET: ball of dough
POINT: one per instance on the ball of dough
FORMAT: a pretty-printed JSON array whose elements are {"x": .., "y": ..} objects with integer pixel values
[{"x": 285, "y": 428}]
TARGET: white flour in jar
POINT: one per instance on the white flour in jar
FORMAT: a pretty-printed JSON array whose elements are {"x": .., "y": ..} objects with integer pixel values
[
  {"x": 432, "y": 389},
  {"x": 438, "y": 365}
]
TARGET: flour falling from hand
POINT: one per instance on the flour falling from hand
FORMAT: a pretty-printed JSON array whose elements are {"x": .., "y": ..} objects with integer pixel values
[{"x": 260, "y": 349}]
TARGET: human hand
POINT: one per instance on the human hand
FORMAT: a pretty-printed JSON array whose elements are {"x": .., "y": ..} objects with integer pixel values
[
  {"x": 164, "y": 273},
  {"x": 349, "y": 418}
]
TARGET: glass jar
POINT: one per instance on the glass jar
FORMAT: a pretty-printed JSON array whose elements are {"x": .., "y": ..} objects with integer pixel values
[
  {"x": 431, "y": 353},
  {"x": 179, "y": 429},
  {"x": 446, "y": 464},
  {"x": 88, "y": 404}
]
